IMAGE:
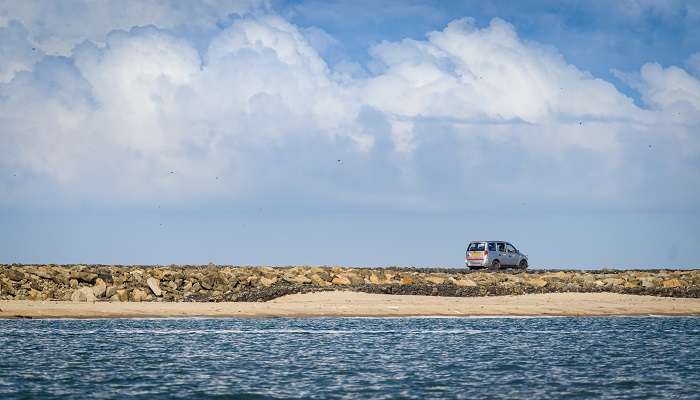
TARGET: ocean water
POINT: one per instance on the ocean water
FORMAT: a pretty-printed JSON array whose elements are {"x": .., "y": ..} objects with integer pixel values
[{"x": 615, "y": 358}]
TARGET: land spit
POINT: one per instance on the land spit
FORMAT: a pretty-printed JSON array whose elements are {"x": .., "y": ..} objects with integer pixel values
[
  {"x": 353, "y": 304},
  {"x": 211, "y": 283}
]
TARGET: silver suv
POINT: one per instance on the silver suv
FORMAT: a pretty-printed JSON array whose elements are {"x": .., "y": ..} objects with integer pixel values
[{"x": 494, "y": 254}]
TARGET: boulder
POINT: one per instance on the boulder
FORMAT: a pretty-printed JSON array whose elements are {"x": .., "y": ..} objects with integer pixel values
[
  {"x": 465, "y": 283},
  {"x": 647, "y": 282},
  {"x": 100, "y": 288},
  {"x": 631, "y": 284},
  {"x": 138, "y": 295},
  {"x": 672, "y": 283},
  {"x": 43, "y": 272},
  {"x": 298, "y": 279},
  {"x": 83, "y": 276},
  {"x": 61, "y": 278},
  {"x": 355, "y": 279},
  {"x": 340, "y": 280},
  {"x": 318, "y": 280},
  {"x": 122, "y": 294},
  {"x": 436, "y": 280},
  {"x": 207, "y": 282},
  {"x": 537, "y": 282},
  {"x": 613, "y": 281},
  {"x": 14, "y": 275},
  {"x": 267, "y": 282},
  {"x": 34, "y": 294},
  {"x": 154, "y": 285},
  {"x": 110, "y": 291},
  {"x": 83, "y": 294}
]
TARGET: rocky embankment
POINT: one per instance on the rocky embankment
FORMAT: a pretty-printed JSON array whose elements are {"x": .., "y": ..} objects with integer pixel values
[{"x": 224, "y": 283}]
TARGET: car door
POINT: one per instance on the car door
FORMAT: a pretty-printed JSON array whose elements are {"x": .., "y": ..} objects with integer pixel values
[
  {"x": 512, "y": 254},
  {"x": 502, "y": 255}
]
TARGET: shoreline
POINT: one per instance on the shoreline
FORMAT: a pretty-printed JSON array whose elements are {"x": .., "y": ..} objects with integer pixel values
[{"x": 356, "y": 304}]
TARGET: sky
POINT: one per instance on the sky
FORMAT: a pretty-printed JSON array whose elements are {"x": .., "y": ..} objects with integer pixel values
[{"x": 365, "y": 133}]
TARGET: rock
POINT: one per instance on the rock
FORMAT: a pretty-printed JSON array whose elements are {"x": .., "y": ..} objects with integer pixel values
[
  {"x": 613, "y": 281},
  {"x": 73, "y": 283},
  {"x": 298, "y": 279},
  {"x": 115, "y": 298},
  {"x": 537, "y": 282},
  {"x": 267, "y": 282},
  {"x": 631, "y": 284},
  {"x": 465, "y": 283},
  {"x": 138, "y": 295},
  {"x": 318, "y": 280},
  {"x": 43, "y": 272},
  {"x": 196, "y": 287},
  {"x": 100, "y": 288},
  {"x": 406, "y": 280},
  {"x": 110, "y": 291},
  {"x": 83, "y": 276},
  {"x": 558, "y": 275},
  {"x": 436, "y": 280},
  {"x": 648, "y": 283},
  {"x": 122, "y": 294},
  {"x": 340, "y": 280},
  {"x": 207, "y": 282},
  {"x": 34, "y": 294},
  {"x": 355, "y": 279},
  {"x": 672, "y": 283},
  {"x": 83, "y": 294},
  {"x": 61, "y": 278},
  {"x": 154, "y": 284},
  {"x": 14, "y": 275}
]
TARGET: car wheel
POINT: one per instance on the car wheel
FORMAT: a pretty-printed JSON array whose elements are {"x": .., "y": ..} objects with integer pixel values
[
  {"x": 495, "y": 265},
  {"x": 523, "y": 264}
]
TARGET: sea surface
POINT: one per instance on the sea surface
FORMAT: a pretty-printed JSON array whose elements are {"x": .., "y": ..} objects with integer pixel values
[{"x": 535, "y": 358}]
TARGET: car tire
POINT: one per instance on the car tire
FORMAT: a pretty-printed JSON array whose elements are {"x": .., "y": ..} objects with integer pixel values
[
  {"x": 523, "y": 264},
  {"x": 495, "y": 265}
]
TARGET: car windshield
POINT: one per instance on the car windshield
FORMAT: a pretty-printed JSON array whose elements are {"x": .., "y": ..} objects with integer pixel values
[{"x": 476, "y": 246}]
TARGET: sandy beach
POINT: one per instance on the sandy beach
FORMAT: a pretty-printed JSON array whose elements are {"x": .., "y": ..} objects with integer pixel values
[{"x": 348, "y": 304}]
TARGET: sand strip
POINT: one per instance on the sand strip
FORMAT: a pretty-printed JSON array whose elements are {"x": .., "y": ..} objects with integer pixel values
[{"x": 348, "y": 304}]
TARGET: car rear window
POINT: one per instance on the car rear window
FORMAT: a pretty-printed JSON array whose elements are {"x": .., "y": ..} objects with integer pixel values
[{"x": 476, "y": 246}]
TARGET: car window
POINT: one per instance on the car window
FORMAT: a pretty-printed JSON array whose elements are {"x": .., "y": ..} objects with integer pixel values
[
  {"x": 501, "y": 247},
  {"x": 510, "y": 248},
  {"x": 492, "y": 246},
  {"x": 476, "y": 246}
]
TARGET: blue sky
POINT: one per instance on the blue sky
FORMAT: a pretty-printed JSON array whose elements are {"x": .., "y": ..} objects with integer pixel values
[{"x": 361, "y": 133}]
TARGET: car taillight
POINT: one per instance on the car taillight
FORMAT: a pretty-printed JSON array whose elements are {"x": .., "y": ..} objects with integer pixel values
[{"x": 486, "y": 252}]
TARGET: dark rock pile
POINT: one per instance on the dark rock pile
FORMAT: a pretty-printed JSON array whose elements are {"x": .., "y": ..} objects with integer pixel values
[{"x": 226, "y": 283}]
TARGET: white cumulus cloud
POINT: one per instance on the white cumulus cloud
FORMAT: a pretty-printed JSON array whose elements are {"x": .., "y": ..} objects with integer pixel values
[{"x": 469, "y": 116}]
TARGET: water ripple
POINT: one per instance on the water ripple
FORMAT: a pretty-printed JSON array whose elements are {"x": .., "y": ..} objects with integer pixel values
[{"x": 351, "y": 357}]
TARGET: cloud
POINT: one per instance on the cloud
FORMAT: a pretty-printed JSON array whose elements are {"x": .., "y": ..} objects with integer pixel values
[
  {"x": 16, "y": 50},
  {"x": 469, "y": 117},
  {"x": 55, "y": 27}
]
